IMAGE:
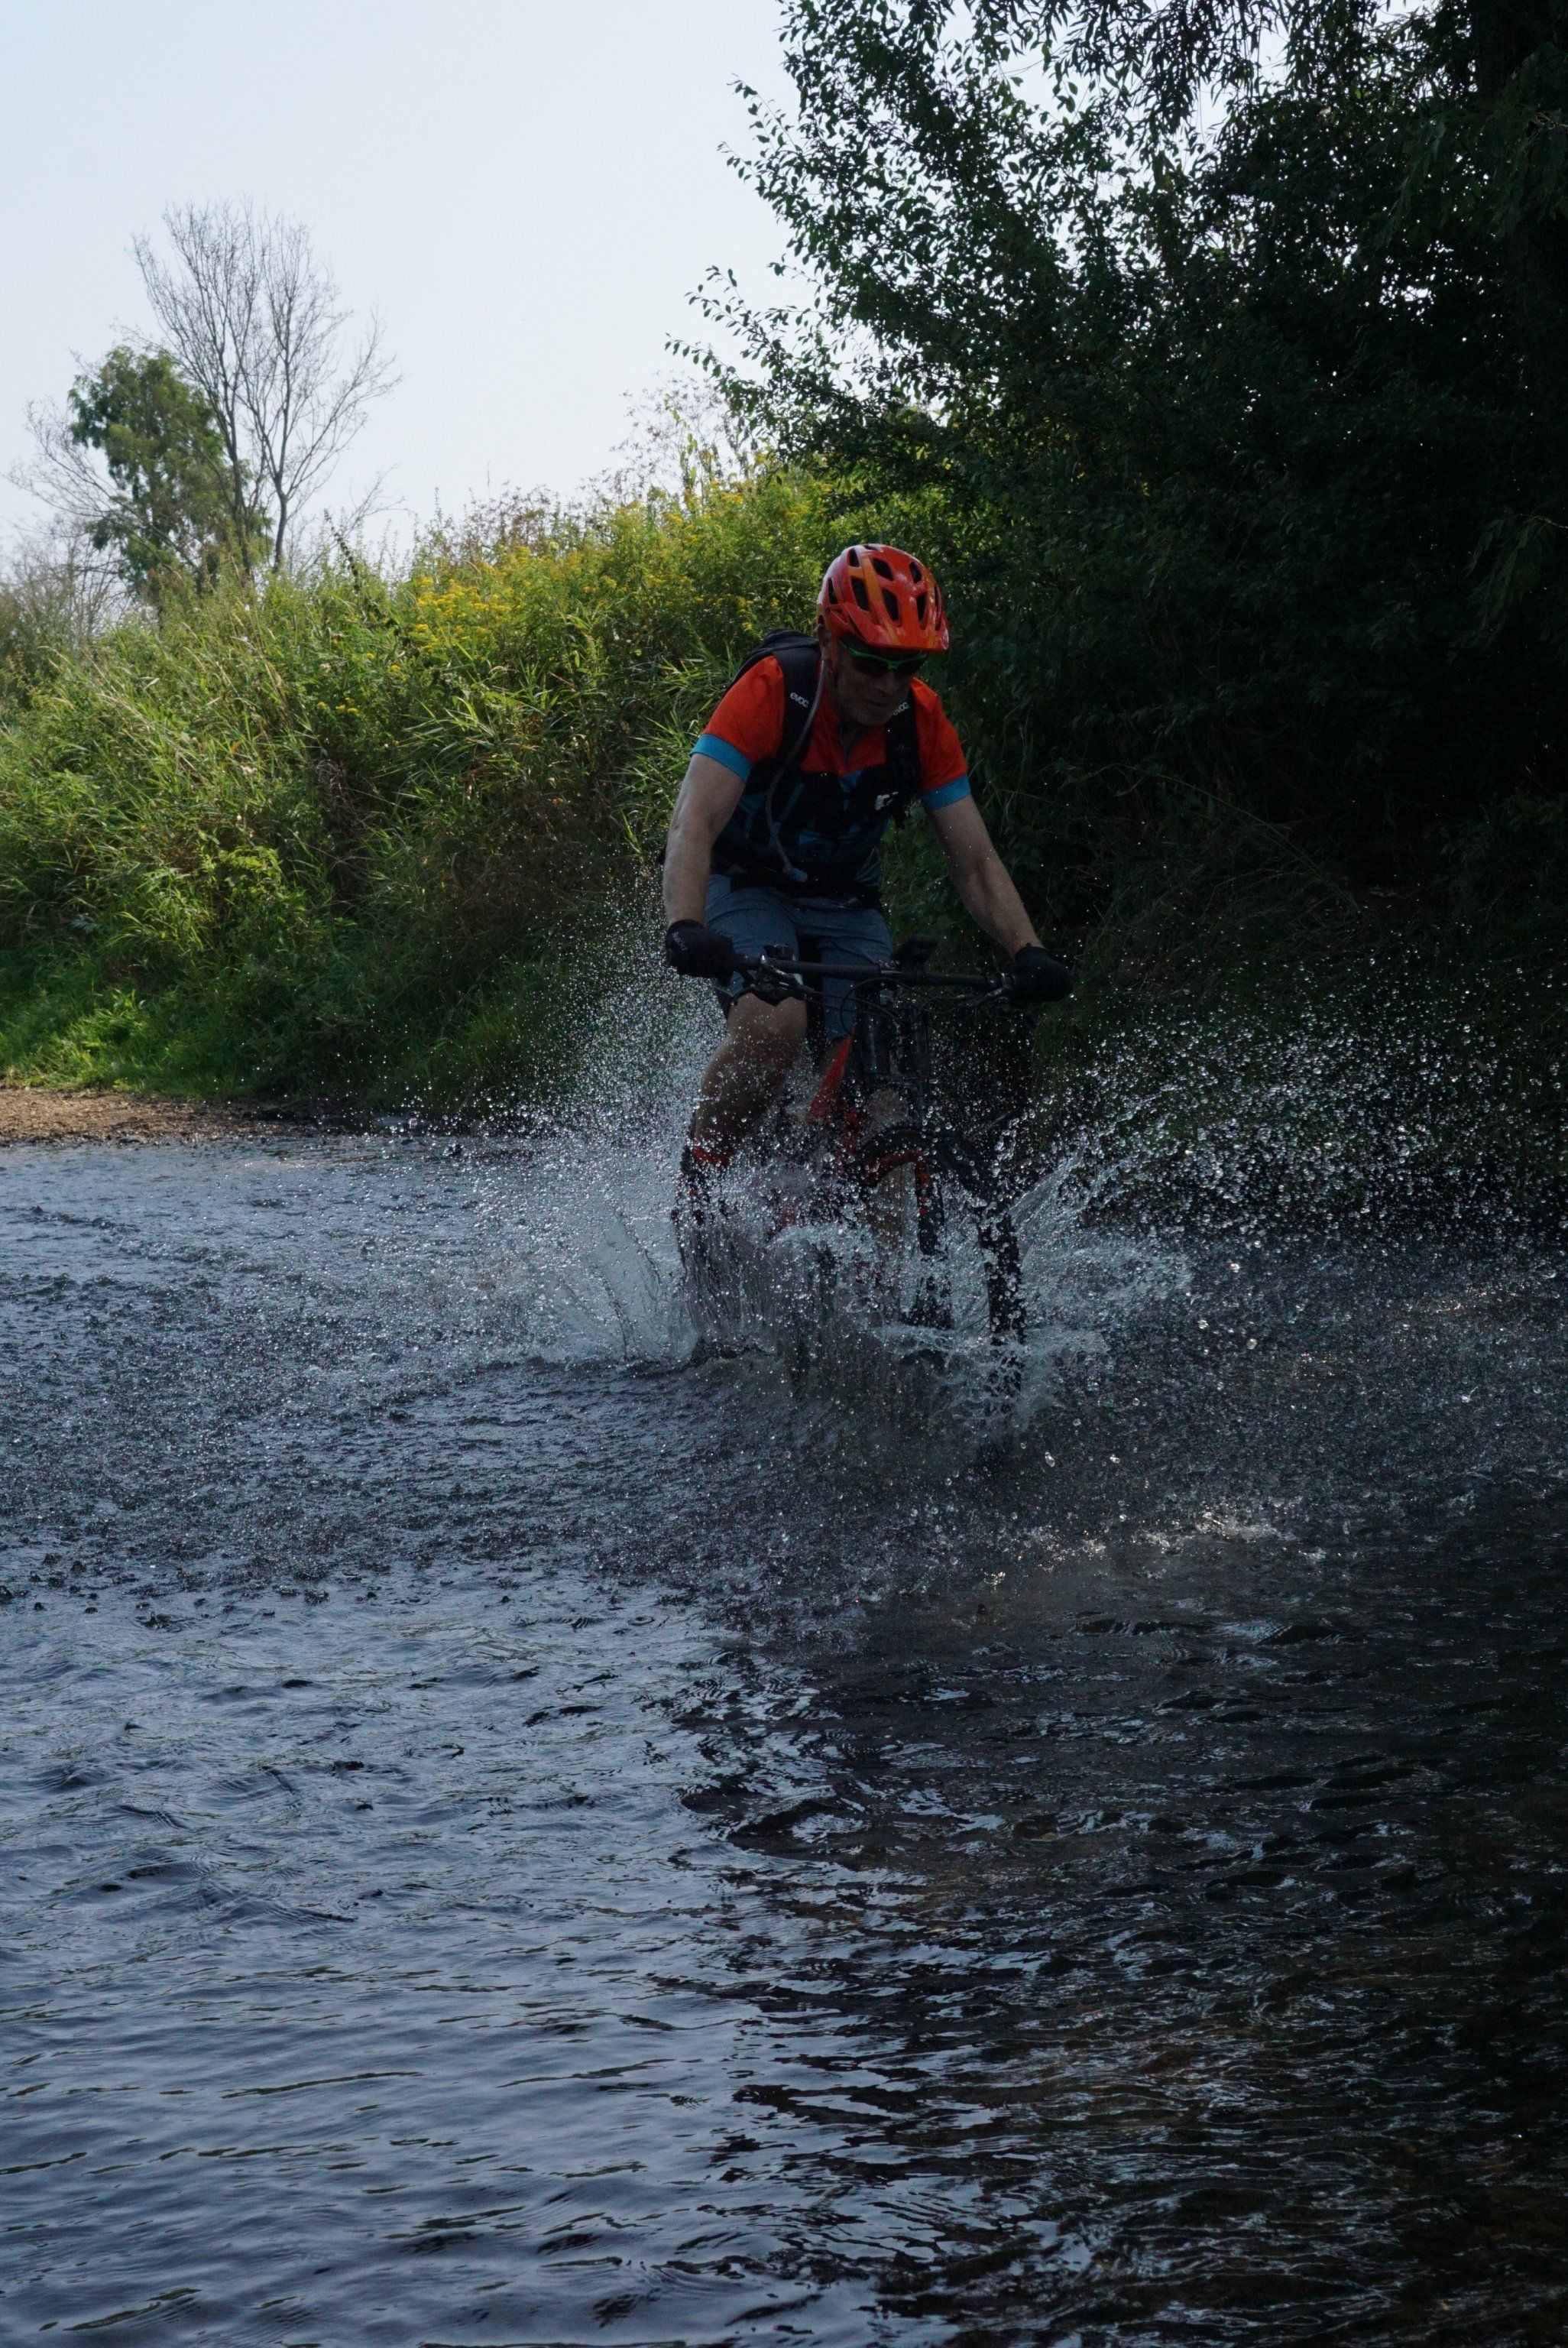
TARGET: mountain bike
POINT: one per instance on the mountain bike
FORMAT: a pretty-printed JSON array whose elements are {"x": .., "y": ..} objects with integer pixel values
[{"x": 880, "y": 1149}]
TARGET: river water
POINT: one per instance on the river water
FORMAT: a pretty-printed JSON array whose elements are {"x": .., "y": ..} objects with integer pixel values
[{"x": 513, "y": 1832}]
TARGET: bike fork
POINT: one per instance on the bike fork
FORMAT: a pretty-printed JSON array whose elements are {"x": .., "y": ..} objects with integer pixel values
[
  {"x": 1004, "y": 1275},
  {"x": 931, "y": 1307}
]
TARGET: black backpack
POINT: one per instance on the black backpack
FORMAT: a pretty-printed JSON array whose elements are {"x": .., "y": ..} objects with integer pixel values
[{"x": 800, "y": 658}]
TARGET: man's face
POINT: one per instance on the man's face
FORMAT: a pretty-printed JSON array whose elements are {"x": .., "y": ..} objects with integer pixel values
[{"x": 867, "y": 696}]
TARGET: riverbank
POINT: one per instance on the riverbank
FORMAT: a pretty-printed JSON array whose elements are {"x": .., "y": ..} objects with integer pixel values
[
  {"x": 95, "y": 1113},
  {"x": 347, "y": 835}
]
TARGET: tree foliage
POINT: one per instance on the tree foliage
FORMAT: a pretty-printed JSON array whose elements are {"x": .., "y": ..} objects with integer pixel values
[
  {"x": 1220, "y": 417},
  {"x": 170, "y": 516}
]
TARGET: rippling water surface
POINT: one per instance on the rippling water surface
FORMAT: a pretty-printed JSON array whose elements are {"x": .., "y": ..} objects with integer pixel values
[{"x": 515, "y": 1833}]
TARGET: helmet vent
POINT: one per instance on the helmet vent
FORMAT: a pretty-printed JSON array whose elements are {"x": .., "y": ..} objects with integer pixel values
[{"x": 883, "y": 597}]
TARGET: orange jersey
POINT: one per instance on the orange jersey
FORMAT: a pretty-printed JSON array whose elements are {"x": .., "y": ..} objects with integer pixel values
[{"x": 822, "y": 822}]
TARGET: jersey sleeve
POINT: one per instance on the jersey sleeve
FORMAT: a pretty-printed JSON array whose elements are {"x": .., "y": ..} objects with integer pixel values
[
  {"x": 944, "y": 769},
  {"x": 748, "y": 724}
]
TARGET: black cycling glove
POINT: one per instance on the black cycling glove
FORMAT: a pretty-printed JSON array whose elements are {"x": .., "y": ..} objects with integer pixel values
[
  {"x": 1038, "y": 977},
  {"x": 698, "y": 952}
]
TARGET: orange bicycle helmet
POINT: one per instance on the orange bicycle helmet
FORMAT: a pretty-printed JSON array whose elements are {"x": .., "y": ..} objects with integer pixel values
[{"x": 884, "y": 597}]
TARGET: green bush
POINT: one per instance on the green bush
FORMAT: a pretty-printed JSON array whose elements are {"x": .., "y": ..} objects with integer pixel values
[
  {"x": 331, "y": 836},
  {"x": 36, "y": 632}
]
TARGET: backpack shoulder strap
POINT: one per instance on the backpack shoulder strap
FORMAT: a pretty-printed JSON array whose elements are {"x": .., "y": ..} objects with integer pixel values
[
  {"x": 903, "y": 742},
  {"x": 802, "y": 666},
  {"x": 800, "y": 658}
]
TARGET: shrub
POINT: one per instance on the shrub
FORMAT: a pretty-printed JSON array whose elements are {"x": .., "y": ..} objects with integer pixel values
[{"x": 321, "y": 824}]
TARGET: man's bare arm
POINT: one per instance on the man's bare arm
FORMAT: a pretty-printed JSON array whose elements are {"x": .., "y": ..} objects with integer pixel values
[
  {"x": 980, "y": 878},
  {"x": 708, "y": 799}
]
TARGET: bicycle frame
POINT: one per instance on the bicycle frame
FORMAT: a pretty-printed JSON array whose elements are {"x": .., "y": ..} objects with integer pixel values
[
  {"x": 888, "y": 1051},
  {"x": 890, "y": 1043}
]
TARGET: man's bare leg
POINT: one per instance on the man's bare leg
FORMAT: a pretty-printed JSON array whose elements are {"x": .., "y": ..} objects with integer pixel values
[{"x": 747, "y": 1073}]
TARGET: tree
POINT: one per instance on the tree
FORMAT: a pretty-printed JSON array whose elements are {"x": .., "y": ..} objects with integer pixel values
[
  {"x": 1214, "y": 423},
  {"x": 170, "y": 514},
  {"x": 1495, "y": 140},
  {"x": 254, "y": 322},
  {"x": 133, "y": 469}
]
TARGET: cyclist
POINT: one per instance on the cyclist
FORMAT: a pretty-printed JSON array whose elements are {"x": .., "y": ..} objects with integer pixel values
[{"x": 775, "y": 837}]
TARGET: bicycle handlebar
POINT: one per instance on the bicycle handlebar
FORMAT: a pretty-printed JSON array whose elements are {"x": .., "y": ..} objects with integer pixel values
[{"x": 876, "y": 974}]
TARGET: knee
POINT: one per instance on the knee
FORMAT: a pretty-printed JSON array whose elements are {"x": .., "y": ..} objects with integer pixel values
[{"x": 772, "y": 1035}]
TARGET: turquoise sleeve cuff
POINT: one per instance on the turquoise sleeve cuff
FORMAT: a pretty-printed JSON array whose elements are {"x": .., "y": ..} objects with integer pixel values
[
  {"x": 713, "y": 746},
  {"x": 944, "y": 793}
]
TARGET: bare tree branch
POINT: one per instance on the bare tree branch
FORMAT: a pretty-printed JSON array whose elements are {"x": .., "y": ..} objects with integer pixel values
[
  {"x": 330, "y": 526},
  {"x": 70, "y": 480},
  {"x": 256, "y": 324},
  {"x": 73, "y": 481},
  {"x": 57, "y": 574},
  {"x": 685, "y": 437}
]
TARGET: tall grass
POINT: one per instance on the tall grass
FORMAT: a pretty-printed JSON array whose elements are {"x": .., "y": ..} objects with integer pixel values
[{"x": 346, "y": 835}]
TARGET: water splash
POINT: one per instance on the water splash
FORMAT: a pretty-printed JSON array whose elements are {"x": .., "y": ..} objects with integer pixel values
[
  {"x": 812, "y": 1318},
  {"x": 1184, "y": 1327},
  {"x": 1382, "y": 1102}
]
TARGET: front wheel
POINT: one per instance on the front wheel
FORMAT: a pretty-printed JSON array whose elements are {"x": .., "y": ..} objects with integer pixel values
[
  {"x": 996, "y": 1239},
  {"x": 963, "y": 1235},
  {"x": 997, "y": 1242}
]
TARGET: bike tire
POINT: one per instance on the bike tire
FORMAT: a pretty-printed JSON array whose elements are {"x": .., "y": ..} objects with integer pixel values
[
  {"x": 943, "y": 1195},
  {"x": 997, "y": 1238},
  {"x": 995, "y": 1235}
]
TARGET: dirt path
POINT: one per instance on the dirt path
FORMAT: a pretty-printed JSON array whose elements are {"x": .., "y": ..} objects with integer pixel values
[{"x": 85, "y": 1113}]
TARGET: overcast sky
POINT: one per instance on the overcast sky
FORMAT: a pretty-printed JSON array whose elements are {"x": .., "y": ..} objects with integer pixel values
[{"x": 526, "y": 191}]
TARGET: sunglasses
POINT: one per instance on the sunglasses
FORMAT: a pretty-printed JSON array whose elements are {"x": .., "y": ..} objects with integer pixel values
[{"x": 890, "y": 663}]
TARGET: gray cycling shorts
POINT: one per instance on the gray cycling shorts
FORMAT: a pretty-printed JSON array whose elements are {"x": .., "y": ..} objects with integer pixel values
[{"x": 817, "y": 929}]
